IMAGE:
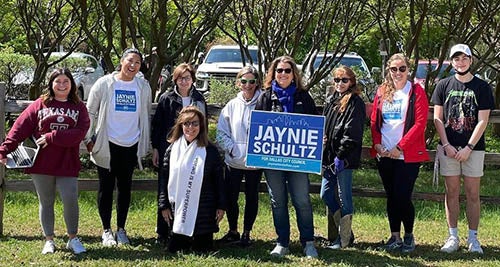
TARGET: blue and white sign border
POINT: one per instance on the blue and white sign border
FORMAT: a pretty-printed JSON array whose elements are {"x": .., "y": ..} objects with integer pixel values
[{"x": 304, "y": 122}]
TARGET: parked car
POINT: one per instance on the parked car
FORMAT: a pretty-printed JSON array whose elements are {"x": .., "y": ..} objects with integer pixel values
[
  {"x": 351, "y": 60},
  {"x": 423, "y": 67},
  {"x": 223, "y": 62},
  {"x": 85, "y": 75}
]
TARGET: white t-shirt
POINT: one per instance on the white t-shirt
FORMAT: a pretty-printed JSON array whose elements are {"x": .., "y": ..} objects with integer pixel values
[
  {"x": 186, "y": 101},
  {"x": 123, "y": 113},
  {"x": 394, "y": 115}
]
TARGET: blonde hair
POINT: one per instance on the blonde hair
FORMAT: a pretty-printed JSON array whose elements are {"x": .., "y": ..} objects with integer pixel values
[
  {"x": 387, "y": 89},
  {"x": 353, "y": 89}
]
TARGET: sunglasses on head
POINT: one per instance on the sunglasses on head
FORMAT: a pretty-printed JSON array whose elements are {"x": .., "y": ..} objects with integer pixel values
[
  {"x": 344, "y": 80},
  {"x": 287, "y": 71},
  {"x": 250, "y": 81},
  {"x": 395, "y": 69}
]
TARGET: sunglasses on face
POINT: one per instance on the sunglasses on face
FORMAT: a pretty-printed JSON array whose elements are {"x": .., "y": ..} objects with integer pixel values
[
  {"x": 344, "y": 80},
  {"x": 188, "y": 124},
  {"x": 395, "y": 69},
  {"x": 250, "y": 81},
  {"x": 287, "y": 71}
]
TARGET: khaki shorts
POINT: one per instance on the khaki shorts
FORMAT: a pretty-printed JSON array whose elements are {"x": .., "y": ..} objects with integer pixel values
[{"x": 473, "y": 167}]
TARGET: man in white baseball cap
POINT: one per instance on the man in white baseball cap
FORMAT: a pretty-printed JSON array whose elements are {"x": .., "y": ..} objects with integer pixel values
[
  {"x": 462, "y": 105},
  {"x": 460, "y": 48}
]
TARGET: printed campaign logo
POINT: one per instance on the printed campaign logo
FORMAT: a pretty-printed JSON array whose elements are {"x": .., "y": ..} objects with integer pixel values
[
  {"x": 125, "y": 101},
  {"x": 285, "y": 141}
]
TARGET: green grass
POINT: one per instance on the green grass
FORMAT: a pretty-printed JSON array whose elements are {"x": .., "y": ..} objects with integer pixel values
[{"x": 22, "y": 241}]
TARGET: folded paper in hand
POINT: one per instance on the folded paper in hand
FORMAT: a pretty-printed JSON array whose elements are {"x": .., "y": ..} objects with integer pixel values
[{"x": 24, "y": 156}]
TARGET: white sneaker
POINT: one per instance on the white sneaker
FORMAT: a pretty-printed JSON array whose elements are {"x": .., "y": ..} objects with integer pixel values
[
  {"x": 49, "y": 247},
  {"x": 474, "y": 246},
  {"x": 451, "y": 245},
  {"x": 310, "y": 250},
  {"x": 108, "y": 240},
  {"x": 121, "y": 237},
  {"x": 279, "y": 251},
  {"x": 75, "y": 245}
]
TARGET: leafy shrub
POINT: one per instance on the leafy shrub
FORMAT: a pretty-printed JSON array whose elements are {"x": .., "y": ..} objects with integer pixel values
[{"x": 221, "y": 91}]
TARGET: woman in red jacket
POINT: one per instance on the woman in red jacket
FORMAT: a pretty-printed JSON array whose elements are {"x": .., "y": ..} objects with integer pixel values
[{"x": 398, "y": 122}]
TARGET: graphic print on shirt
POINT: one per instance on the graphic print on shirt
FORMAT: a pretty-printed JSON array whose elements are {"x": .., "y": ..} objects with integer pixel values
[
  {"x": 57, "y": 119},
  {"x": 462, "y": 106},
  {"x": 392, "y": 111},
  {"x": 125, "y": 101}
]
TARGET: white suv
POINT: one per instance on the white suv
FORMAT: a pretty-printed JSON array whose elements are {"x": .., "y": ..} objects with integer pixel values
[
  {"x": 351, "y": 60},
  {"x": 85, "y": 76},
  {"x": 223, "y": 62}
]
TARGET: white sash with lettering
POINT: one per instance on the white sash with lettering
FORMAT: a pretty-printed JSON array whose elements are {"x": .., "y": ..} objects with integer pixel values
[{"x": 184, "y": 184}]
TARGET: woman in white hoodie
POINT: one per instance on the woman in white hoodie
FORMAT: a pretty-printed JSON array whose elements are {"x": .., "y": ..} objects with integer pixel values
[{"x": 232, "y": 136}]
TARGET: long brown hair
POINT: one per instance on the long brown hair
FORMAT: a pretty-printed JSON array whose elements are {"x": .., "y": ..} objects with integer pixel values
[
  {"x": 49, "y": 92},
  {"x": 271, "y": 73},
  {"x": 353, "y": 89},
  {"x": 387, "y": 89},
  {"x": 186, "y": 114}
]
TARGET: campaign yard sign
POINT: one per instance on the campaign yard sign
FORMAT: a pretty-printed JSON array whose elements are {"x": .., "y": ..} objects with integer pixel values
[{"x": 285, "y": 141}]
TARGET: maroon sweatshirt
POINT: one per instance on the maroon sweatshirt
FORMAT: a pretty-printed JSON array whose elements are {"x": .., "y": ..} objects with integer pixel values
[{"x": 64, "y": 125}]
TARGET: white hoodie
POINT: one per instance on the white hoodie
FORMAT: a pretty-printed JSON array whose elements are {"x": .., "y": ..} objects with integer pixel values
[{"x": 233, "y": 128}]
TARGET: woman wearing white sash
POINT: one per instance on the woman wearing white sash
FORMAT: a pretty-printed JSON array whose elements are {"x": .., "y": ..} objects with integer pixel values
[{"x": 193, "y": 200}]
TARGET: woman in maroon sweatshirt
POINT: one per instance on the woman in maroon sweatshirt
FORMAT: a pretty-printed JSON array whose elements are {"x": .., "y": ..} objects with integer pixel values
[{"x": 58, "y": 120}]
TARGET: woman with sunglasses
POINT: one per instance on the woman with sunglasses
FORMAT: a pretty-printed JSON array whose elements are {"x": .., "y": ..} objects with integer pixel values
[
  {"x": 398, "y": 121},
  {"x": 232, "y": 137},
  {"x": 192, "y": 198},
  {"x": 285, "y": 93},
  {"x": 170, "y": 104},
  {"x": 119, "y": 106},
  {"x": 344, "y": 121}
]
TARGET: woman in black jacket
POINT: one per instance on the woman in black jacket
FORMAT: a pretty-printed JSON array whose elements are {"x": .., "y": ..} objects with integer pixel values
[
  {"x": 170, "y": 104},
  {"x": 285, "y": 93},
  {"x": 344, "y": 120},
  {"x": 192, "y": 200}
]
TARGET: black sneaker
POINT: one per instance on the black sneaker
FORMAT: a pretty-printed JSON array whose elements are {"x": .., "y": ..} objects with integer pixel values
[
  {"x": 392, "y": 244},
  {"x": 408, "y": 243},
  {"x": 245, "y": 239},
  {"x": 230, "y": 237}
]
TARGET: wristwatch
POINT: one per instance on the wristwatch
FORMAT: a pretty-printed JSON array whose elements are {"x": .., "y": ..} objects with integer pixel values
[{"x": 471, "y": 146}]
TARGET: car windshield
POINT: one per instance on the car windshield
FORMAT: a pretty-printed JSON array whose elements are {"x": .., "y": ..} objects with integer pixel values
[
  {"x": 229, "y": 55},
  {"x": 346, "y": 61},
  {"x": 423, "y": 67}
]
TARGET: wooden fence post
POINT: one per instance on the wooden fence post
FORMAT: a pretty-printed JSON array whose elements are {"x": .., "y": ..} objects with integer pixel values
[{"x": 2, "y": 168}]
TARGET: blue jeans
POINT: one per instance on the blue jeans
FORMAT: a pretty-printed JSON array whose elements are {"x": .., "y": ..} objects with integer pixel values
[
  {"x": 278, "y": 185},
  {"x": 336, "y": 191}
]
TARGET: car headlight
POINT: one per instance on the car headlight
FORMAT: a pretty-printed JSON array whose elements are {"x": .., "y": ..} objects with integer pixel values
[{"x": 202, "y": 75}]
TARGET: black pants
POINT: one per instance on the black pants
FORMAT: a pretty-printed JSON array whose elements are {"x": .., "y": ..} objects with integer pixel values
[
  {"x": 122, "y": 164},
  {"x": 198, "y": 243},
  {"x": 162, "y": 228},
  {"x": 233, "y": 183},
  {"x": 399, "y": 179}
]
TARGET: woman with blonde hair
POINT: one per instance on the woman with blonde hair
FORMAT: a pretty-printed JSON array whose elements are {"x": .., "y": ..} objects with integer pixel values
[{"x": 398, "y": 121}]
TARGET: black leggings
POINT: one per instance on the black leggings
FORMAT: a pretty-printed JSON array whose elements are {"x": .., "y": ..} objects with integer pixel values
[
  {"x": 399, "y": 179},
  {"x": 122, "y": 164},
  {"x": 233, "y": 183}
]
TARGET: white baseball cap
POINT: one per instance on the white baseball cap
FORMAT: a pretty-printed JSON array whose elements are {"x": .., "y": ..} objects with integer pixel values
[{"x": 460, "y": 48}]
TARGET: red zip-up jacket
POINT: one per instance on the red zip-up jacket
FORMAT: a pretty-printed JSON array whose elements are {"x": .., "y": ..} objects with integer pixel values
[
  {"x": 64, "y": 125},
  {"x": 413, "y": 141}
]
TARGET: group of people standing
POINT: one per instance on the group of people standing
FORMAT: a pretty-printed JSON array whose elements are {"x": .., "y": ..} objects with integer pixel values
[{"x": 196, "y": 189}]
